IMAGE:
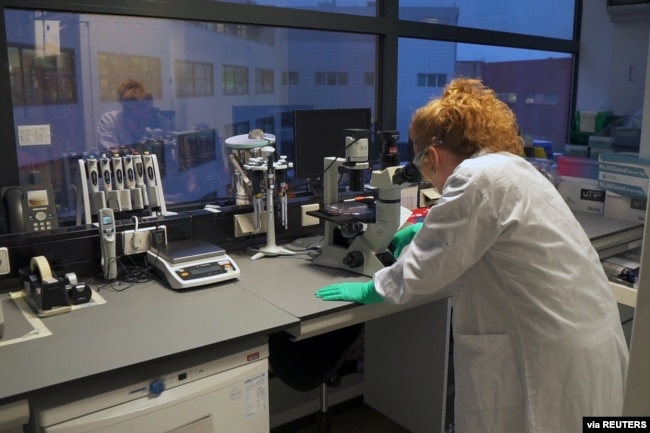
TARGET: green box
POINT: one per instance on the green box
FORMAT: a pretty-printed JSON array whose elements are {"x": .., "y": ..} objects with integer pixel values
[{"x": 592, "y": 122}]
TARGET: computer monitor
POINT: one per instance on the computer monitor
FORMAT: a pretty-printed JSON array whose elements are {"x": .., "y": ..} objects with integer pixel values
[{"x": 318, "y": 134}]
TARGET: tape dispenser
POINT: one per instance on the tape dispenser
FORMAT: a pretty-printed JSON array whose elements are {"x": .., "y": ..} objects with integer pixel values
[{"x": 50, "y": 295}]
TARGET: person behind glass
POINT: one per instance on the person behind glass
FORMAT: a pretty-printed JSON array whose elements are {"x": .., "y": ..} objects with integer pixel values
[
  {"x": 127, "y": 126},
  {"x": 538, "y": 342}
]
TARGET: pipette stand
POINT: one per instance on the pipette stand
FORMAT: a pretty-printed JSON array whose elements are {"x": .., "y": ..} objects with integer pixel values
[{"x": 270, "y": 249}]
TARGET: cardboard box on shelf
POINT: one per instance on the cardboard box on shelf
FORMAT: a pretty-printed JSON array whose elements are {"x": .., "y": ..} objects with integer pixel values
[
  {"x": 624, "y": 173},
  {"x": 592, "y": 121},
  {"x": 582, "y": 194},
  {"x": 624, "y": 207}
]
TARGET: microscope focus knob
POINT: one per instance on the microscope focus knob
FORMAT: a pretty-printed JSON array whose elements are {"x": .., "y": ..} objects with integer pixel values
[{"x": 353, "y": 259}]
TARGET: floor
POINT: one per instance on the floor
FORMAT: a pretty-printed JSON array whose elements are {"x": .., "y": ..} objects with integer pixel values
[{"x": 355, "y": 419}]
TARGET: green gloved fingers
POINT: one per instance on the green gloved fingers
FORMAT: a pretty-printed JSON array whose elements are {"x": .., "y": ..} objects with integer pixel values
[
  {"x": 363, "y": 293},
  {"x": 404, "y": 237}
]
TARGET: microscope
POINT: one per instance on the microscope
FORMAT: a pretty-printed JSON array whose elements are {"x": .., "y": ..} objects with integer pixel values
[{"x": 354, "y": 239}]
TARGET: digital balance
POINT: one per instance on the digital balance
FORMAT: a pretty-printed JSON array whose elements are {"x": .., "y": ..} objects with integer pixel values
[{"x": 186, "y": 264}]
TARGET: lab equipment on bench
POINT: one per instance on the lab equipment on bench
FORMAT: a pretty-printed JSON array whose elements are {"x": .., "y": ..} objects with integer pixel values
[
  {"x": 216, "y": 389},
  {"x": 48, "y": 294},
  {"x": 354, "y": 240},
  {"x": 107, "y": 234},
  {"x": 191, "y": 263},
  {"x": 130, "y": 183},
  {"x": 256, "y": 173}
]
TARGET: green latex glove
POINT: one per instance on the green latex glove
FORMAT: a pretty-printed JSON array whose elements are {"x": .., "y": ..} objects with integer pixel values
[
  {"x": 404, "y": 237},
  {"x": 363, "y": 293}
]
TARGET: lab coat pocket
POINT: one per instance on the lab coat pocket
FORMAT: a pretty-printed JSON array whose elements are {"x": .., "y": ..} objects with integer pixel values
[{"x": 487, "y": 377}]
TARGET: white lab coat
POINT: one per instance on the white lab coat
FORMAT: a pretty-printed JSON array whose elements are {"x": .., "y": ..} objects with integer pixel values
[{"x": 538, "y": 342}]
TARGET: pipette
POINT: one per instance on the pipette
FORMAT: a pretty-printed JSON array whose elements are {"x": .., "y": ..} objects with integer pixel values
[{"x": 282, "y": 190}]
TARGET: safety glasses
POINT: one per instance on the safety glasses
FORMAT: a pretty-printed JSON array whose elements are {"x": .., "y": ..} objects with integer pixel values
[{"x": 417, "y": 161}]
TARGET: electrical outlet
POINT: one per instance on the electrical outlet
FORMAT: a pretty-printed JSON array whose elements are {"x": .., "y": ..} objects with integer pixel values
[
  {"x": 136, "y": 242},
  {"x": 4, "y": 261},
  {"x": 308, "y": 220}
]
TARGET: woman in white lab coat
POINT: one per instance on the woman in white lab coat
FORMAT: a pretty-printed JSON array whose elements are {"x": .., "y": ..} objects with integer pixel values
[{"x": 538, "y": 342}]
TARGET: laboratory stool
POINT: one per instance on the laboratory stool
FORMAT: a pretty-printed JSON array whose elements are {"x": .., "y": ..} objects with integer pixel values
[{"x": 319, "y": 361}]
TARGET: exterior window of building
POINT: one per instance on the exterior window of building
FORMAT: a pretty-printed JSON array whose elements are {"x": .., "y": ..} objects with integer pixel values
[
  {"x": 267, "y": 124},
  {"x": 286, "y": 120},
  {"x": 432, "y": 80},
  {"x": 332, "y": 65},
  {"x": 235, "y": 80},
  {"x": 41, "y": 78},
  {"x": 194, "y": 78},
  {"x": 331, "y": 78},
  {"x": 238, "y": 128},
  {"x": 368, "y": 78},
  {"x": 508, "y": 97},
  {"x": 264, "y": 80},
  {"x": 544, "y": 111},
  {"x": 290, "y": 78},
  {"x": 114, "y": 68},
  {"x": 542, "y": 98}
]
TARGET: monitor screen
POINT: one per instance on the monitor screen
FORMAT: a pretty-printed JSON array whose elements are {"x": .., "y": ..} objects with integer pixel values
[{"x": 318, "y": 134}]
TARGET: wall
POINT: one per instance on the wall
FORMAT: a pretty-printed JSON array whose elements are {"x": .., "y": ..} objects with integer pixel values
[{"x": 612, "y": 64}]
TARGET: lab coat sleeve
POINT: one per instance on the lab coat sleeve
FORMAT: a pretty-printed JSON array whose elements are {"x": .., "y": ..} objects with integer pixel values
[
  {"x": 456, "y": 233},
  {"x": 106, "y": 132}
]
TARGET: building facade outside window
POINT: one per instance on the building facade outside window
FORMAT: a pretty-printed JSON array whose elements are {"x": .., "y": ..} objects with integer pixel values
[{"x": 69, "y": 85}]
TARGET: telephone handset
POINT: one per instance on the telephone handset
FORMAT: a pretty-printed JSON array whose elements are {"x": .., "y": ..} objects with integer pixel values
[{"x": 29, "y": 208}]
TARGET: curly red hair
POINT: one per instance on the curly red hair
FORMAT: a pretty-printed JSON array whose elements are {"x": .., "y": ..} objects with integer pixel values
[
  {"x": 468, "y": 117},
  {"x": 132, "y": 90}
]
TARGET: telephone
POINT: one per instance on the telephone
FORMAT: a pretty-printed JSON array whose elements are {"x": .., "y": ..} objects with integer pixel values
[{"x": 29, "y": 208}]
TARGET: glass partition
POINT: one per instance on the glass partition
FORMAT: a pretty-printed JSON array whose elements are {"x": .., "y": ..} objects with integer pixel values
[
  {"x": 520, "y": 78},
  {"x": 93, "y": 84},
  {"x": 553, "y": 18},
  {"x": 353, "y": 7}
]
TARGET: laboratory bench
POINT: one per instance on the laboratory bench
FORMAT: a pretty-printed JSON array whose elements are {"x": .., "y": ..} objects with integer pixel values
[
  {"x": 138, "y": 324},
  {"x": 149, "y": 322},
  {"x": 610, "y": 237}
]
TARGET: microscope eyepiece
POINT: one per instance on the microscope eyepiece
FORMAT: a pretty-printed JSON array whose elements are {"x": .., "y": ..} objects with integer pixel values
[{"x": 408, "y": 173}]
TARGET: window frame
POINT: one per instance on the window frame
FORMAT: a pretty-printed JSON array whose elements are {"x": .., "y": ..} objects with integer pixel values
[{"x": 386, "y": 25}]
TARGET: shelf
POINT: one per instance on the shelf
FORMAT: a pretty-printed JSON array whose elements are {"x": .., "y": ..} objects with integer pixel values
[{"x": 624, "y": 295}]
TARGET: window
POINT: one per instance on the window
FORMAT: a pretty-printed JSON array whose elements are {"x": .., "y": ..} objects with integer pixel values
[
  {"x": 553, "y": 18},
  {"x": 369, "y": 79},
  {"x": 542, "y": 98},
  {"x": 432, "y": 80},
  {"x": 235, "y": 80},
  {"x": 508, "y": 97},
  {"x": 264, "y": 80},
  {"x": 194, "y": 79},
  {"x": 237, "y": 129},
  {"x": 544, "y": 112},
  {"x": 290, "y": 78},
  {"x": 266, "y": 124},
  {"x": 114, "y": 68},
  {"x": 328, "y": 60},
  {"x": 331, "y": 78},
  {"x": 40, "y": 79}
]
